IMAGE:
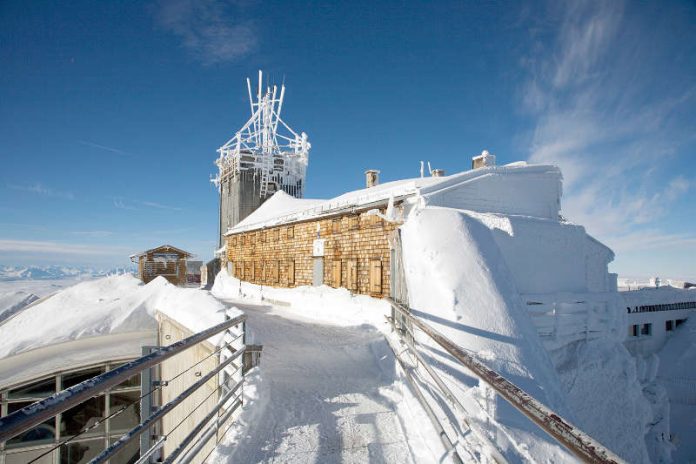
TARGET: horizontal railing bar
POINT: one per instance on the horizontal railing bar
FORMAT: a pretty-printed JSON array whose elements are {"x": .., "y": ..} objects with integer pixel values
[
  {"x": 161, "y": 412},
  {"x": 212, "y": 429},
  {"x": 36, "y": 413},
  {"x": 201, "y": 424},
  {"x": 576, "y": 441}
]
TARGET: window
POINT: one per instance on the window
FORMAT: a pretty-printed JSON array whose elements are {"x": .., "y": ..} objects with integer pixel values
[
  {"x": 336, "y": 273},
  {"x": 633, "y": 330},
  {"x": 375, "y": 276},
  {"x": 92, "y": 412},
  {"x": 336, "y": 226},
  {"x": 291, "y": 272},
  {"x": 352, "y": 274},
  {"x": 679, "y": 322},
  {"x": 669, "y": 326},
  {"x": 276, "y": 235},
  {"x": 646, "y": 329},
  {"x": 234, "y": 241},
  {"x": 291, "y": 232}
]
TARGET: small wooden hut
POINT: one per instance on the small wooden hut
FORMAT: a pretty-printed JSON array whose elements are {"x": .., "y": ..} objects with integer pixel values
[{"x": 166, "y": 261}]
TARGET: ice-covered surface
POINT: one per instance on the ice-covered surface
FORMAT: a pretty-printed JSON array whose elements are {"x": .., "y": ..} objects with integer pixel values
[
  {"x": 678, "y": 376},
  {"x": 327, "y": 389},
  {"x": 533, "y": 190},
  {"x": 660, "y": 295},
  {"x": 12, "y": 302},
  {"x": 118, "y": 310},
  {"x": 458, "y": 282}
]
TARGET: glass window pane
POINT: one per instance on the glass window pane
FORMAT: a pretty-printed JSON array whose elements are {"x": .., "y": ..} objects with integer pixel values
[
  {"x": 80, "y": 452},
  {"x": 82, "y": 416},
  {"x": 41, "y": 389},
  {"x": 128, "y": 455},
  {"x": 44, "y": 433},
  {"x": 130, "y": 383},
  {"x": 74, "y": 378},
  {"x": 22, "y": 457},
  {"x": 130, "y": 417}
]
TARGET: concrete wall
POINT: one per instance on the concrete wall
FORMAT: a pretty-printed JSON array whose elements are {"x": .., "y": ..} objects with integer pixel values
[
  {"x": 356, "y": 253},
  {"x": 239, "y": 197}
]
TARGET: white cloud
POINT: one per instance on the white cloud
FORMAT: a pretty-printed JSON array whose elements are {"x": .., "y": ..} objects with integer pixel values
[
  {"x": 41, "y": 189},
  {"x": 604, "y": 111},
  {"x": 53, "y": 248},
  {"x": 104, "y": 148},
  {"x": 213, "y": 31}
]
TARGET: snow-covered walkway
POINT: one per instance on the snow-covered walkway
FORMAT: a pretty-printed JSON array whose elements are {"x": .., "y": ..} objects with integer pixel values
[{"x": 326, "y": 395}]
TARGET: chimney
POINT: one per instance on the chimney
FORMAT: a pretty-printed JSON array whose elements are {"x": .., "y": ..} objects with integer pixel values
[
  {"x": 483, "y": 160},
  {"x": 371, "y": 177},
  {"x": 437, "y": 173}
]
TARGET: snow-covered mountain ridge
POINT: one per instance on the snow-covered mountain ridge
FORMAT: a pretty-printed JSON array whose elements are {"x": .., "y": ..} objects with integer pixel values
[{"x": 53, "y": 272}]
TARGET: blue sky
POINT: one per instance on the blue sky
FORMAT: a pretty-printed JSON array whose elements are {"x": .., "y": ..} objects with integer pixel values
[{"x": 111, "y": 112}]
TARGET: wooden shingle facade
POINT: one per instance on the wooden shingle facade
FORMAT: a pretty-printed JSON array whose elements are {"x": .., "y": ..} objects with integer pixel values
[
  {"x": 166, "y": 261},
  {"x": 355, "y": 253}
]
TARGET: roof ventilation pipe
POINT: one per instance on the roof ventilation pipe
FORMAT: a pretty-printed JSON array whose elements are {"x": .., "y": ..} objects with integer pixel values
[{"x": 371, "y": 178}]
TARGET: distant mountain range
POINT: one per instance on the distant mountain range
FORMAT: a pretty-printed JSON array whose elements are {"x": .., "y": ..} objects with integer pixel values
[{"x": 8, "y": 273}]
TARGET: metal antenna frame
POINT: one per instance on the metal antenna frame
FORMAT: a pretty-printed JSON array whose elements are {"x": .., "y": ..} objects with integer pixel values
[{"x": 266, "y": 145}]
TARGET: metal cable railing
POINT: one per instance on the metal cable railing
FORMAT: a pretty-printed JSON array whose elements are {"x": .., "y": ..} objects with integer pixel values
[
  {"x": 576, "y": 441},
  {"x": 29, "y": 417}
]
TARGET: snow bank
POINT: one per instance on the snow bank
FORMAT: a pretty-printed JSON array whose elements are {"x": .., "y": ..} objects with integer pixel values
[
  {"x": 335, "y": 306},
  {"x": 458, "y": 282},
  {"x": 89, "y": 311},
  {"x": 13, "y": 302}
]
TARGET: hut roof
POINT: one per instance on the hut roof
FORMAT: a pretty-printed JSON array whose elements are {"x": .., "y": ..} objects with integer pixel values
[{"x": 162, "y": 248}]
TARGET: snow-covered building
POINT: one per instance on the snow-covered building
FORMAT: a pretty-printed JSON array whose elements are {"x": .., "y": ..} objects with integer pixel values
[
  {"x": 86, "y": 330},
  {"x": 166, "y": 261}
]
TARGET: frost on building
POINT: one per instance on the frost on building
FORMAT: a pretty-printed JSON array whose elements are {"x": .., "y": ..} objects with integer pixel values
[{"x": 264, "y": 156}]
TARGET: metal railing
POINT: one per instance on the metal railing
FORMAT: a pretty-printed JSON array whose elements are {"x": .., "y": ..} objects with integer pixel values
[
  {"x": 572, "y": 438},
  {"x": 36, "y": 413}
]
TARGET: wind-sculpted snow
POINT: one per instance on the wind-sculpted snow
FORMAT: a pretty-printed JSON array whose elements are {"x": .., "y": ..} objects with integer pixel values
[{"x": 13, "y": 302}]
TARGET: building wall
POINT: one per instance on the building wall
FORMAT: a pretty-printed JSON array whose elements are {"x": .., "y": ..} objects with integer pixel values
[
  {"x": 171, "y": 332},
  {"x": 149, "y": 269},
  {"x": 356, "y": 253},
  {"x": 239, "y": 197}
]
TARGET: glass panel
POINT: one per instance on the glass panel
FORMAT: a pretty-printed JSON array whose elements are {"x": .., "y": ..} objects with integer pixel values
[
  {"x": 83, "y": 415},
  {"x": 130, "y": 383},
  {"x": 129, "y": 454},
  {"x": 80, "y": 452},
  {"x": 130, "y": 417},
  {"x": 74, "y": 378},
  {"x": 22, "y": 457},
  {"x": 38, "y": 390},
  {"x": 44, "y": 433}
]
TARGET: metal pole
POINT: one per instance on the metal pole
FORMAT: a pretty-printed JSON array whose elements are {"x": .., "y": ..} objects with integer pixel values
[
  {"x": 146, "y": 386},
  {"x": 576, "y": 441},
  {"x": 36, "y": 413}
]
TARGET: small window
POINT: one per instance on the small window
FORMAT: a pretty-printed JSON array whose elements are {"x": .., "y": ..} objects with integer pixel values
[
  {"x": 354, "y": 222},
  {"x": 234, "y": 241},
  {"x": 669, "y": 326},
  {"x": 679, "y": 322},
  {"x": 243, "y": 239},
  {"x": 375, "y": 276},
  {"x": 646, "y": 329},
  {"x": 633, "y": 330},
  {"x": 276, "y": 235},
  {"x": 336, "y": 274},
  {"x": 37, "y": 390},
  {"x": 291, "y": 272},
  {"x": 291, "y": 232},
  {"x": 336, "y": 226}
]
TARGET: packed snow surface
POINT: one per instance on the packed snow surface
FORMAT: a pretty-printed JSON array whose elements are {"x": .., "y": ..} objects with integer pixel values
[
  {"x": 327, "y": 389},
  {"x": 13, "y": 302},
  {"x": 110, "y": 306}
]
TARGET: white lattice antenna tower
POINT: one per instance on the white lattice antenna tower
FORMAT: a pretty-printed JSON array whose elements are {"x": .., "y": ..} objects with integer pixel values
[{"x": 267, "y": 146}]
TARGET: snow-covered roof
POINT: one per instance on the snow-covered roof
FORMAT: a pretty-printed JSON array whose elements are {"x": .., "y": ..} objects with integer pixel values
[
  {"x": 98, "y": 320},
  {"x": 282, "y": 208},
  {"x": 659, "y": 295},
  {"x": 167, "y": 248}
]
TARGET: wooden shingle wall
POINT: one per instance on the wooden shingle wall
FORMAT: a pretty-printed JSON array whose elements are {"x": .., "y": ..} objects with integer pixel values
[{"x": 356, "y": 253}]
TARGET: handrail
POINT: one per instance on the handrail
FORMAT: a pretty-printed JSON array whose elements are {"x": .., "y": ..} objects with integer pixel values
[
  {"x": 36, "y": 413},
  {"x": 576, "y": 441}
]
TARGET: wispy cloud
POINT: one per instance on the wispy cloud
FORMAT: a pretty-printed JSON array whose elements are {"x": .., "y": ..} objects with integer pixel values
[
  {"x": 93, "y": 233},
  {"x": 213, "y": 31},
  {"x": 49, "y": 247},
  {"x": 606, "y": 111},
  {"x": 122, "y": 203},
  {"x": 41, "y": 189},
  {"x": 104, "y": 148}
]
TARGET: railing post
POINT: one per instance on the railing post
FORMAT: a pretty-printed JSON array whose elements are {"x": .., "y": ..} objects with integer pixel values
[{"x": 146, "y": 403}]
